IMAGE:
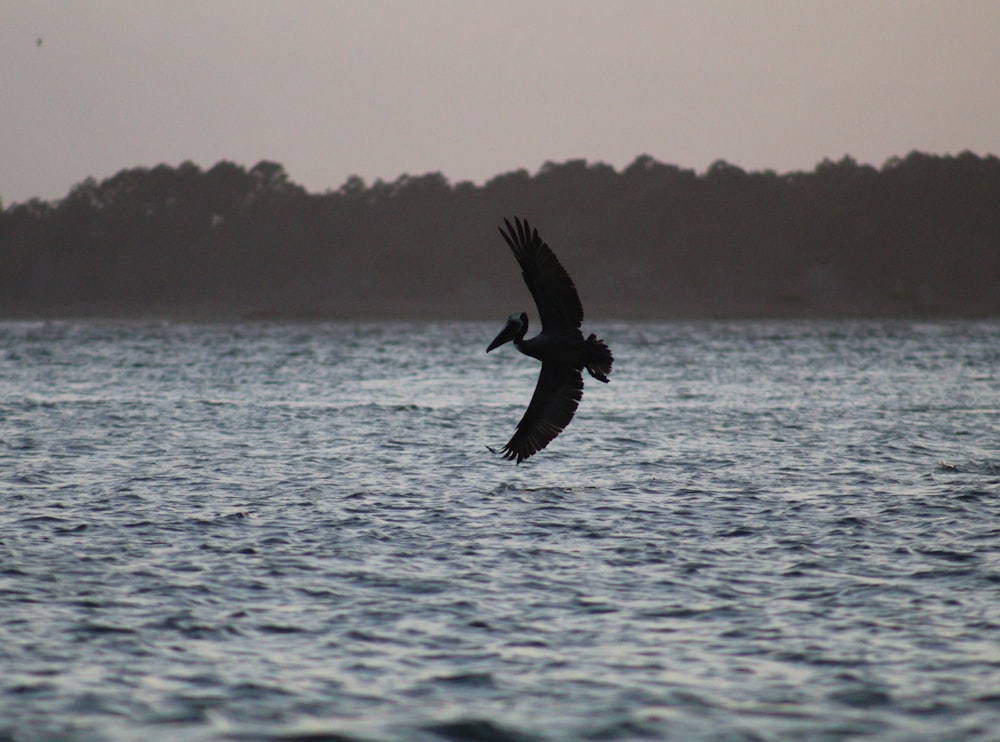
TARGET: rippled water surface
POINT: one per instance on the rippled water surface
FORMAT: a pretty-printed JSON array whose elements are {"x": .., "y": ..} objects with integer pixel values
[{"x": 296, "y": 531}]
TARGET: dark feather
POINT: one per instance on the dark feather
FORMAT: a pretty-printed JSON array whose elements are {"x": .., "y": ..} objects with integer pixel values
[
  {"x": 555, "y": 295},
  {"x": 552, "y": 406}
]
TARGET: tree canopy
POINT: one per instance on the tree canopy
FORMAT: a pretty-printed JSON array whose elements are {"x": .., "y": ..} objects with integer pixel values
[{"x": 919, "y": 236}]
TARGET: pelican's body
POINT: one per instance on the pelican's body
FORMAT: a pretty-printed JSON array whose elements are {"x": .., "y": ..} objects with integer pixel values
[{"x": 560, "y": 346}]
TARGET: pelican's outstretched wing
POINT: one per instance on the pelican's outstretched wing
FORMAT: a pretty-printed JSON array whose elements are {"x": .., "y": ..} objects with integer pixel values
[
  {"x": 555, "y": 295},
  {"x": 552, "y": 406}
]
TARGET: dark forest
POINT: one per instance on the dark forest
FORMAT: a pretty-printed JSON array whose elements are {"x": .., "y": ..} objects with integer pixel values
[{"x": 918, "y": 237}]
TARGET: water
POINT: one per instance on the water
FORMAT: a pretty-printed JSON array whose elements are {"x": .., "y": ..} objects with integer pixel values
[{"x": 295, "y": 531}]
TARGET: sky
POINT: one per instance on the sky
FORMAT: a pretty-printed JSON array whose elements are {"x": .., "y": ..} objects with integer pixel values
[{"x": 476, "y": 88}]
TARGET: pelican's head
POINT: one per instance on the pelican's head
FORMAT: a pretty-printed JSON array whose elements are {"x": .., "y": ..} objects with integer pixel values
[{"x": 517, "y": 325}]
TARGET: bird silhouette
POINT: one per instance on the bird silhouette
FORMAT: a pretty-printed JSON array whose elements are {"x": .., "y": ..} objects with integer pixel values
[{"x": 560, "y": 346}]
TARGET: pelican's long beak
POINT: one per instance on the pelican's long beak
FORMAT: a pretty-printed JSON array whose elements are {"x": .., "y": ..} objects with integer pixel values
[{"x": 508, "y": 333}]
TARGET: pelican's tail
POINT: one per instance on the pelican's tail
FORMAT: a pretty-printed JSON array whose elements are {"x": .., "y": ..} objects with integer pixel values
[{"x": 599, "y": 358}]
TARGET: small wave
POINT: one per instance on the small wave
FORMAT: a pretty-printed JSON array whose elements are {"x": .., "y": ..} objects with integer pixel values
[
  {"x": 99, "y": 629},
  {"x": 469, "y": 679},
  {"x": 272, "y": 628},
  {"x": 42, "y": 519},
  {"x": 469, "y": 730}
]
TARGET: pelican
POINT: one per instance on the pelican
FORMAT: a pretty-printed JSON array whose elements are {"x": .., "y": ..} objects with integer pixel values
[{"x": 560, "y": 346}]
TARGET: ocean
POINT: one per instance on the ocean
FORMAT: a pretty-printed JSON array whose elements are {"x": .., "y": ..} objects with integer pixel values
[{"x": 296, "y": 531}]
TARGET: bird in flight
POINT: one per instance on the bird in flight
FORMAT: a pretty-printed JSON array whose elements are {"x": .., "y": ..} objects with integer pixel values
[{"x": 560, "y": 346}]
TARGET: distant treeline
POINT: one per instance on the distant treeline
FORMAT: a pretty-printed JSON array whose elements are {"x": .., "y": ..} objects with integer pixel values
[{"x": 918, "y": 237}]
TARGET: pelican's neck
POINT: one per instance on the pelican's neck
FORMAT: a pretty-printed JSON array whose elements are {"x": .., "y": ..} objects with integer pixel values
[{"x": 521, "y": 331}]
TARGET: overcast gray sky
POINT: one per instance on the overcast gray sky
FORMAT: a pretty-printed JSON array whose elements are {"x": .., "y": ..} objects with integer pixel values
[{"x": 473, "y": 88}]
